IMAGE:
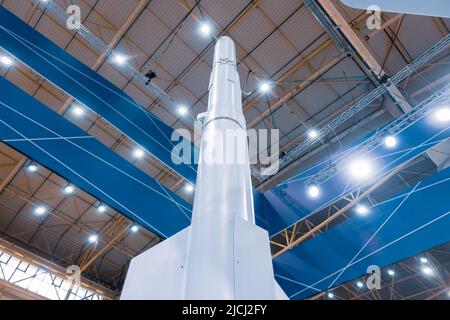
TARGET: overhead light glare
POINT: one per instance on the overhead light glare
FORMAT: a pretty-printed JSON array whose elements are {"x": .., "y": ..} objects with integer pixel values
[
  {"x": 361, "y": 168},
  {"x": 32, "y": 168},
  {"x": 78, "y": 110},
  {"x": 139, "y": 153},
  {"x": 101, "y": 208},
  {"x": 134, "y": 229},
  {"x": 391, "y": 272},
  {"x": 443, "y": 114},
  {"x": 427, "y": 271},
  {"x": 362, "y": 210},
  {"x": 390, "y": 141},
  {"x": 7, "y": 61},
  {"x": 264, "y": 87},
  {"x": 119, "y": 59},
  {"x": 93, "y": 238},
  {"x": 189, "y": 188},
  {"x": 314, "y": 191},
  {"x": 40, "y": 210},
  {"x": 423, "y": 260},
  {"x": 69, "y": 189},
  {"x": 360, "y": 284},
  {"x": 313, "y": 134},
  {"x": 205, "y": 29},
  {"x": 182, "y": 111}
]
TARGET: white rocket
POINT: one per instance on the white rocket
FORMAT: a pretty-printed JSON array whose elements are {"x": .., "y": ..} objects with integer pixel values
[{"x": 223, "y": 254}]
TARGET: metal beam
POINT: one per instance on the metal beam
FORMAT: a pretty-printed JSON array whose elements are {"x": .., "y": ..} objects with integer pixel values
[
  {"x": 362, "y": 51},
  {"x": 117, "y": 231}
]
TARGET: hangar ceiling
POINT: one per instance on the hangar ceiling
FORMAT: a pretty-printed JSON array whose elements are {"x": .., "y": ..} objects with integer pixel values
[{"x": 281, "y": 41}]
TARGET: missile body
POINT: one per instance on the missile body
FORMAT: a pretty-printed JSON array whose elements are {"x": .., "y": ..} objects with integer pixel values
[
  {"x": 223, "y": 254},
  {"x": 223, "y": 187}
]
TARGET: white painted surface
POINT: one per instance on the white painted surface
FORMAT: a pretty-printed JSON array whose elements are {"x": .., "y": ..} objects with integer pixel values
[
  {"x": 157, "y": 274},
  {"x": 254, "y": 271},
  {"x": 435, "y": 8}
]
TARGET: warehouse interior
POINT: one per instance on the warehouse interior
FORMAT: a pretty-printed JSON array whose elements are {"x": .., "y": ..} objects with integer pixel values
[{"x": 312, "y": 69}]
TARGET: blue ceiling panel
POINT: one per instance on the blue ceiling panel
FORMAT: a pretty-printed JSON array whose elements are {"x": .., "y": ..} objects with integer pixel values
[
  {"x": 49, "y": 139},
  {"x": 88, "y": 87},
  {"x": 396, "y": 229}
]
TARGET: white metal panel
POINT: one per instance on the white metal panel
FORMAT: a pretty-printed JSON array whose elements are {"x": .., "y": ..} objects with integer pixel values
[
  {"x": 157, "y": 274},
  {"x": 253, "y": 264},
  {"x": 437, "y": 8}
]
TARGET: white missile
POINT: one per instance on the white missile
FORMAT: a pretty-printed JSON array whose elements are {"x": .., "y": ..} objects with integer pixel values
[{"x": 223, "y": 254}]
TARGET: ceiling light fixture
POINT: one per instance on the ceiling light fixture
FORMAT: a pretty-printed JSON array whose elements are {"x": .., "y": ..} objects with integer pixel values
[
  {"x": 7, "y": 61},
  {"x": 189, "y": 188},
  {"x": 119, "y": 59},
  {"x": 138, "y": 153},
  {"x": 264, "y": 87},
  {"x": 69, "y": 189},
  {"x": 77, "y": 110},
  {"x": 32, "y": 168},
  {"x": 313, "y": 134},
  {"x": 362, "y": 210},
  {"x": 360, "y": 168},
  {"x": 205, "y": 29},
  {"x": 427, "y": 271},
  {"x": 93, "y": 238},
  {"x": 390, "y": 141},
  {"x": 40, "y": 210},
  {"x": 182, "y": 111},
  {"x": 443, "y": 114},
  {"x": 313, "y": 191}
]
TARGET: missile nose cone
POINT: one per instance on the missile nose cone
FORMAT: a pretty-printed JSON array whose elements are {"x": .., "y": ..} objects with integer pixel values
[{"x": 225, "y": 50}]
